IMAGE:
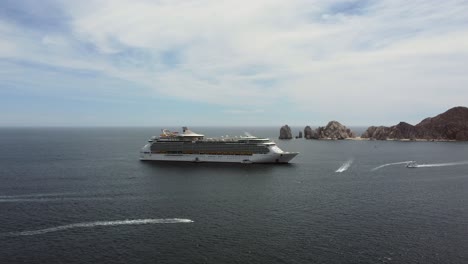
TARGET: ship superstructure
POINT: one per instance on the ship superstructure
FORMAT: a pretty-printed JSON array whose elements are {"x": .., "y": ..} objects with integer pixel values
[{"x": 193, "y": 147}]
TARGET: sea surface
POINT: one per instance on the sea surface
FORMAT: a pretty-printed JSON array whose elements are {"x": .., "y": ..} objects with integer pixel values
[{"x": 80, "y": 195}]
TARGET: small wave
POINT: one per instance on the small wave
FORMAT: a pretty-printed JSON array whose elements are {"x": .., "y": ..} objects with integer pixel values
[
  {"x": 442, "y": 164},
  {"x": 345, "y": 166},
  {"x": 37, "y": 195},
  {"x": 390, "y": 164},
  {"x": 100, "y": 223},
  {"x": 60, "y": 197},
  {"x": 53, "y": 199}
]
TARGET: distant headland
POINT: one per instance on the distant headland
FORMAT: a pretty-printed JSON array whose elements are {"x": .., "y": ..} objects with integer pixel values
[{"x": 451, "y": 125}]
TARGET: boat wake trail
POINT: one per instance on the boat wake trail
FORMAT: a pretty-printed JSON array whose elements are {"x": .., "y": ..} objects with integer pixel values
[
  {"x": 442, "y": 164},
  {"x": 390, "y": 164},
  {"x": 345, "y": 166},
  {"x": 37, "y": 197},
  {"x": 61, "y": 197},
  {"x": 99, "y": 223}
]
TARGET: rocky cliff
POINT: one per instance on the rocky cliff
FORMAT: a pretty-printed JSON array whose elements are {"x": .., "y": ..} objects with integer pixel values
[
  {"x": 300, "y": 135},
  {"x": 402, "y": 130},
  {"x": 285, "y": 132},
  {"x": 310, "y": 133},
  {"x": 451, "y": 125},
  {"x": 333, "y": 130}
]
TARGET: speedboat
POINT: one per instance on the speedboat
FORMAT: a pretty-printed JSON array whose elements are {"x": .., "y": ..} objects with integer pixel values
[{"x": 412, "y": 164}]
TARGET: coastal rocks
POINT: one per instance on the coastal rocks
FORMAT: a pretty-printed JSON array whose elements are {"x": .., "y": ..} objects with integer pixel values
[
  {"x": 401, "y": 131},
  {"x": 379, "y": 133},
  {"x": 300, "y": 135},
  {"x": 333, "y": 130},
  {"x": 309, "y": 133},
  {"x": 285, "y": 132},
  {"x": 451, "y": 125},
  {"x": 462, "y": 136}
]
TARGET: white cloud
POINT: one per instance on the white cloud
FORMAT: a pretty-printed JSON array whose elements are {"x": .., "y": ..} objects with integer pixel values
[{"x": 389, "y": 54}]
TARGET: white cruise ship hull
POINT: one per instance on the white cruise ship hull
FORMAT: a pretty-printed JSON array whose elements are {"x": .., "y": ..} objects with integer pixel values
[{"x": 284, "y": 157}]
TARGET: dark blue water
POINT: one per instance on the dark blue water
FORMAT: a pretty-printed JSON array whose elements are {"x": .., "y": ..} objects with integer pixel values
[{"x": 77, "y": 195}]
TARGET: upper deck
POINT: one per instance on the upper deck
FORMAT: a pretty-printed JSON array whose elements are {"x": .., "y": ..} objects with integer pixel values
[{"x": 189, "y": 136}]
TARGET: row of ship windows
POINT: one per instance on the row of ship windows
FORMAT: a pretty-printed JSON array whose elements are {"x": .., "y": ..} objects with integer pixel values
[
  {"x": 205, "y": 153},
  {"x": 198, "y": 144},
  {"x": 206, "y": 142},
  {"x": 217, "y": 151},
  {"x": 172, "y": 147}
]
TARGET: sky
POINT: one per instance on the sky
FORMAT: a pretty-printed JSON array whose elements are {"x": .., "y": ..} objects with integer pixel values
[{"x": 230, "y": 62}]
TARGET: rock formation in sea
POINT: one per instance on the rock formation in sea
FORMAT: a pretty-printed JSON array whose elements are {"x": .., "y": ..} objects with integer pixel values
[
  {"x": 309, "y": 133},
  {"x": 285, "y": 132},
  {"x": 400, "y": 131},
  {"x": 451, "y": 125},
  {"x": 333, "y": 130},
  {"x": 300, "y": 135}
]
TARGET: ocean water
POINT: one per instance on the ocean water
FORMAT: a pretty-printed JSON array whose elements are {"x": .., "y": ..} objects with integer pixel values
[{"x": 80, "y": 195}]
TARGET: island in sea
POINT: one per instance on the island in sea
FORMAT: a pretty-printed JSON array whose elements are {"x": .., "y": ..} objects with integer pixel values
[
  {"x": 451, "y": 125},
  {"x": 334, "y": 130}
]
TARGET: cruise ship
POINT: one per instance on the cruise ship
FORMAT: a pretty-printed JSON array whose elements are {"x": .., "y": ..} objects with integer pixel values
[{"x": 192, "y": 147}]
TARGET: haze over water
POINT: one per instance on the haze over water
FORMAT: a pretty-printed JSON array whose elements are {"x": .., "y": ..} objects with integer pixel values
[{"x": 76, "y": 195}]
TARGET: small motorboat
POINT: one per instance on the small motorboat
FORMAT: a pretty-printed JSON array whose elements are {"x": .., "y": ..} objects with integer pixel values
[{"x": 412, "y": 164}]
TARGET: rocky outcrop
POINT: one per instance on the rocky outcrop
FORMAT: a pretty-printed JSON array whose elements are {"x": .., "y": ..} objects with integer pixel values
[
  {"x": 402, "y": 130},
  {"x": 373, "y": 132},
  {"x": 333, "y": 130},
  {"x": 285, "y": 132},
  {"x": 300, "y": 135},
  {"x": 309, "y": 133},
  {"x": 451, "y": 125}
]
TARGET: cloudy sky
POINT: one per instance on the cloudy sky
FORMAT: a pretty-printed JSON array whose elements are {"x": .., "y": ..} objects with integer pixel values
[{"x": 230, "y": 62}]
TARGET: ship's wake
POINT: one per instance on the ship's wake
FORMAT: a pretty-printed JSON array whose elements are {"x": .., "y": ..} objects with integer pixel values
[
  {"x": 442, "y": 164},
  {"x": 99, "y": 223},
  {"x": 345, "y": 166},
  {"x": 422, "y": 165},
  {"x": 391, "y": 164},
  {"x": 61, "y": 197}
]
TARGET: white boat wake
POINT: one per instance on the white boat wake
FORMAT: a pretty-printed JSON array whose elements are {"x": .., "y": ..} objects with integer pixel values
[
  {"x": 37, "y": 195},
  {"x": 52, "y": 199},
  {"x": 100, "y": 223},
  {"x": 390, "y": 164},
  {"x": 423, "y": 165},
  {"x": 345, "y": 166},
  {"x": 60, "y": 197},
  {"x": 442, "y": 164}
]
